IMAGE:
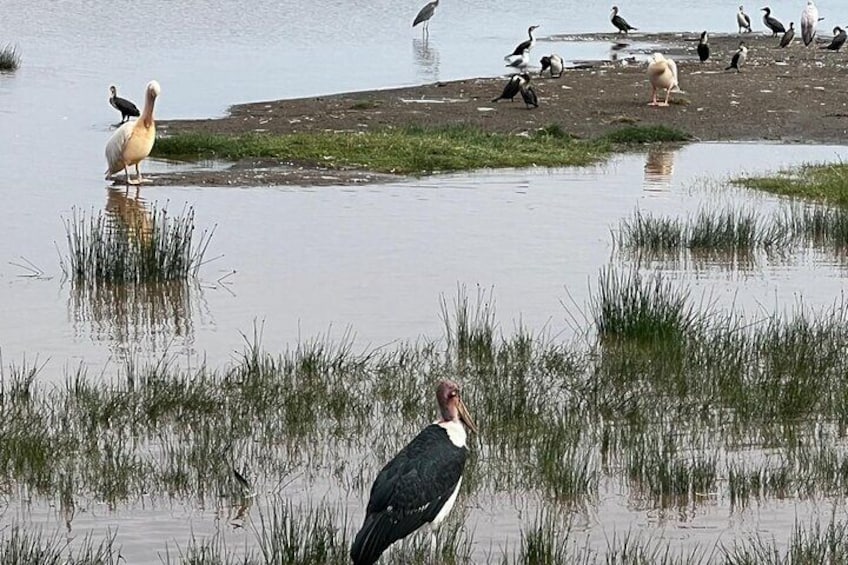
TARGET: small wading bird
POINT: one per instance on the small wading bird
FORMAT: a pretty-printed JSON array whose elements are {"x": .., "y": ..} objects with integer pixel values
[
  {"x": 743, "y": 21},
  {"x": 703, "y": 47},
  {"x": 424, "y": 16},
  {"x": 662, "y": 73},
  {"x": 513, "y": 87},
  {"x": 554, "y": 63},
  {"x": 420, "y": 485},
  {"x": 132, "y": 142},
  {"x": 839, "y": 37},
  {"x": 771, "y": 22},
  {"x": 738, "y": 58},
  {"x": 524, "y": 46},
  {"x": 620, "y": 22},
  {"x": 124, "y": 106},
  {"x": 787, "y": 38},
  {"x": 809, "y": 19}
]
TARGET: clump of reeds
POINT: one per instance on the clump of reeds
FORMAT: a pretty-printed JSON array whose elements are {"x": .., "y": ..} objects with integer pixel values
[
  {"x": 10, "y": 59},
  {"x": 155, "y": 248},
  {"x": 32, "y": 547},
  {"x": 628, "y": 306}
]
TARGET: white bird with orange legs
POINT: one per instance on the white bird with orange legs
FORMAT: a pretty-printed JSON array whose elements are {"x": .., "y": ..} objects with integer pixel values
[
  {"x": 663, "y": 74},
  {"x": 132, "y": 142}
]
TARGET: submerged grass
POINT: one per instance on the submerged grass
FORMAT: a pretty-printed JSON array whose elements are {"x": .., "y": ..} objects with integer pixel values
[
  {"x": 825, "y": 182},
  {"x": 409, "y": 150},
  {"x": 149, "y": 249},
  {"x": 10, "y": 59}
]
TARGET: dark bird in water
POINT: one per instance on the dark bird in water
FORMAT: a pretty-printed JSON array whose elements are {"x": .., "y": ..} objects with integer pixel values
[
  {"x": 743, "y": 21},
  {"x": 771, "y": 22},
  {"x": 420, "y": 485},
  {"x": 788, "y": 36},
  {"x": 620, "y": 22},
  {"x": 525, "y": 45},
  {"x": 739, "y": 58},
  {"x": 703, "y": 47},
  {"x": 839, "y": 37},
  {"x": 554, "y": 63},
  {"x": 809, "y": 19},
  {"x": 424, "y": 16},
  {"x": 124, "y": 106},
  {"x": 513, "y": 87}
]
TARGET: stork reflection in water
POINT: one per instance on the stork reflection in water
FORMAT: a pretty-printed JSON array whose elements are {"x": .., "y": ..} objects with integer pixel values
[
  {"x": 659, "y": 169},
  {"x": 426, "y": 58}
]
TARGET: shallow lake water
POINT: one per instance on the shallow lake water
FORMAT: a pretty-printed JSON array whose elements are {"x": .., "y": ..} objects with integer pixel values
[{"x": 374, "y": 261}]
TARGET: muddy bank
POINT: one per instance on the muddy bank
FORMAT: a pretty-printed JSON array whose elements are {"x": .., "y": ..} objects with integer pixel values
[{"x": 795, "y": 95}]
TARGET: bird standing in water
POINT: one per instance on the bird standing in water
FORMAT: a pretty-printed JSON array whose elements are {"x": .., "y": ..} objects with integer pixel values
[
  {"x": 424, "y": 16},
  {"x": 525, "y": 46},
  {"x": 124, "y": 106},
  {"x": 420, "y": 485},
  {"x": 132, "y": 142},
  {"x": 620, "y": 22}
]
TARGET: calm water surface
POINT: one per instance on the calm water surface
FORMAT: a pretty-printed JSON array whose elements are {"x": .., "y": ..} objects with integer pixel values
[{"x": 307, "y": 261}]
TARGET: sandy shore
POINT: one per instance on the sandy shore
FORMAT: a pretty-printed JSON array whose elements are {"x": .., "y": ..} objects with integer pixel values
[{"x": 789, "y": 95}]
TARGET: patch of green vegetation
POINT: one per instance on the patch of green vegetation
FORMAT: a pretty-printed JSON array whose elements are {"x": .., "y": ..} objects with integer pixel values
[
  {"x": 10, "y": 59},
  {"x": 142, "y": 248},
  {"x": 410, "y": 150},
  {"x": 365, "y": 105},
  {"x": 824, "y": 182},
  {"x": 632, "y": 135}
]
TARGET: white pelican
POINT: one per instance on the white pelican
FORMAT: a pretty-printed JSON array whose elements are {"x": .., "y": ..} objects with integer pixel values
[
  {"x": 124, "y": 106},
  {"x": 620, "y": 22},
  {"x": 743, "y": 21},
  {"x": 420, "y": 485},
  {"x": 132, "y": 142},
  {"x": 663, "y": 74},
  {"x": 809, "y": 19},
  {"x": 787, "y": 38},
  {"x": 738, "y": 58},
  {"x": 771, "y": 22}
]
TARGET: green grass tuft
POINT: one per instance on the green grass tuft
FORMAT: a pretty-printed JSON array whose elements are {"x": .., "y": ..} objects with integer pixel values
[
  {"x": 646, "y": 134},
  {"x": 10, "y": 59},
  {"x": 411, "y": 150},
  {"x": 825, "y": 182}
]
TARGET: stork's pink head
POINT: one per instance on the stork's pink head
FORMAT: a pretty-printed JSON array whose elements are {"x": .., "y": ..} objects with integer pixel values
[{"x": 451, "y": 406}]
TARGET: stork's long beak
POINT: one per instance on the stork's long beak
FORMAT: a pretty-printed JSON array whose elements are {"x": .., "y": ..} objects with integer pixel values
[{"x": 465, "y": 417}]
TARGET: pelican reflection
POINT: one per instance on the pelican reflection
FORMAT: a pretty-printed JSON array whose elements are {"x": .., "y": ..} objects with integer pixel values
[
  {"x": 659, "y": 169},
  {"x": 426, "y": 58}
]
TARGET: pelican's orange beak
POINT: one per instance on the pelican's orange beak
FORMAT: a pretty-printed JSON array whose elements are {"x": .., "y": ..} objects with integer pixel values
[{"x": 464, "y": 416}]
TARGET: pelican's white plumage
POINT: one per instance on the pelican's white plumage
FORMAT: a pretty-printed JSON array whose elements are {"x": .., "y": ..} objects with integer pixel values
[
  {"x": 132, "y": 142},
  {"x": 662, "y": 73},
  {"x": 809, "y": 19}
]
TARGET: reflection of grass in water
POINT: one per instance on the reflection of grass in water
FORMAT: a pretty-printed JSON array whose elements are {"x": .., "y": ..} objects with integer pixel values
[
  {"x": 143, "y": 248},
  {"x": 10, "y": 59}
]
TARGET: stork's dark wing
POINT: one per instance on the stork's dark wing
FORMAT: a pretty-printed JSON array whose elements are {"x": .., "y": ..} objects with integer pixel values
[
  {"x": 425, "y": 14},
  {"x": 409, "y": 492}
]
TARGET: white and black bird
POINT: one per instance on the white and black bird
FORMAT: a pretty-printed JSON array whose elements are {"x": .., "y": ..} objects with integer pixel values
[
  {"x": 771, "y": 22},
  {"x": 525, "y": 45},
  {"x": 554, "y": 63},
  {"x": 703, "y": 47},
  {"x": 743, "y": 21},
  {"x": 739, "y": 58},
  {"x": 124, "y": 106},
  {"x": 512, "y": 87},
  {"x": 424, "y": 16},
  {"x": 620, "y": 22},
  {"x": 839, "y": 37},
  {"x": 520, "y": 62},
  {"x": 787, "y": 38},
  {"x": 420, "y": 485},
  {"x": 662, "y": 73},
  {"x": 809, "y": 19}
]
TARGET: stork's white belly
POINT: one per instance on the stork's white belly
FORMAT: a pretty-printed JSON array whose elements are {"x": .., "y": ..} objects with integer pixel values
[{"x": 443, "y": 513}]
